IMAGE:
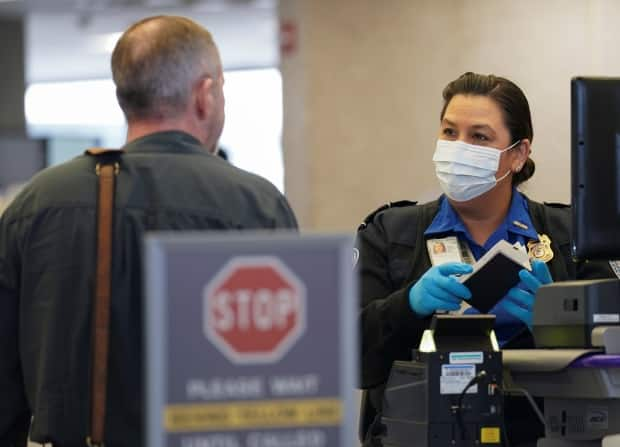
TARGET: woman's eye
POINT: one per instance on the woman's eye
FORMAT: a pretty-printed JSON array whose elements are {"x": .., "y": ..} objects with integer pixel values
[
  {"x": 448, "y": 132},
  {"x": 481, "y": 137}
]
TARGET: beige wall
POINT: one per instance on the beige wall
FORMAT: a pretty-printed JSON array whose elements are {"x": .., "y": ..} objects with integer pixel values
[{"x": 362, "y": 93}]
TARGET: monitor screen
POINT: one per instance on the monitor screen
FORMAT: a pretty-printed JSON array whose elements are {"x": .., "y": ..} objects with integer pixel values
[{"x": 595, "y": 166}]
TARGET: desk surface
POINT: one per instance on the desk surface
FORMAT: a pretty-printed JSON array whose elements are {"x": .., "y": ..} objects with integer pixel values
[
  {"x": 597, "y": 361},
  {"x": 543, "y": 360}
]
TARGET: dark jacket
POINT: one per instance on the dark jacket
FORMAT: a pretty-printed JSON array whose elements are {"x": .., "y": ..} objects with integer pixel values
[
  {"x": 167, "y": 181},
  {"x": 393, "y": 256}
]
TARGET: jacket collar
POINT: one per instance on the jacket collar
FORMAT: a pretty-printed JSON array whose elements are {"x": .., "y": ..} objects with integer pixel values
[{"x": 170, "y": 141}]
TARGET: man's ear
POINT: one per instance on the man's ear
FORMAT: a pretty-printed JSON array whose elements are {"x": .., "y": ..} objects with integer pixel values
[{"x": 204, "y": 100}]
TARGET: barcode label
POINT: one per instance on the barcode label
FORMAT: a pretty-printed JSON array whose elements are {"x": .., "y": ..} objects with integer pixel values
[
  {"x": 454, "y": 379},
  {"x": 458, "y": 370},
  {"x": 457, "y": 373}
]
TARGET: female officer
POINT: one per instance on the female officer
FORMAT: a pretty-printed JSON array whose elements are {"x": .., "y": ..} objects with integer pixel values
[{"x": 481, "y": 156}]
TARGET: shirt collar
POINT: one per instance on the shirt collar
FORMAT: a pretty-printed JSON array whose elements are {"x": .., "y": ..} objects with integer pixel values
[
  {"x": 446, "y": 220},
  {"x": 170, "y": 141},
  {"x": 517, "y": 221}
]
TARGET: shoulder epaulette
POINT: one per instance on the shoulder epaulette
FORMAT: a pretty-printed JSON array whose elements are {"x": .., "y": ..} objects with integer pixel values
[
  {"x": 398, "y": 204},
  {"x": 556, "y": 204}
]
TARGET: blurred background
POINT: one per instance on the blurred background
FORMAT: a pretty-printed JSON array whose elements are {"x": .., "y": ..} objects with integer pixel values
[{"x": 336, "y": 102}]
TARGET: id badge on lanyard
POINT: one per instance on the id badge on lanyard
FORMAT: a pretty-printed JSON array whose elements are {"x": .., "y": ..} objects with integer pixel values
[{"x": 450, "y": 249}]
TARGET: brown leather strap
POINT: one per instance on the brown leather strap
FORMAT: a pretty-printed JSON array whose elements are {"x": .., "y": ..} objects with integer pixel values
[
  {"x": 102, "y": 151},
  {"x": 102, "y": 298}
]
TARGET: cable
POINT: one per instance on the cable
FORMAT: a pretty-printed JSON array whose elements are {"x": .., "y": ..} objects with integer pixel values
[
  {"x": 530, "y": 399},
  {"x": 532, "y": 402},
  {"x": 506, "y": 442},
  {"x": 459, "y": 408}
]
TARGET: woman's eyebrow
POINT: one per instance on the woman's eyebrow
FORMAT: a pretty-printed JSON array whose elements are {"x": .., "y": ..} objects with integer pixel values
[
  {"x": 483, "y": 127},
  {"x": 447, "y": 122}
]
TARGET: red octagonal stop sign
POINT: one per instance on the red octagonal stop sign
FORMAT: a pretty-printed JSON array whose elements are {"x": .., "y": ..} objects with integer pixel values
[{"x": 254, "y": 309}]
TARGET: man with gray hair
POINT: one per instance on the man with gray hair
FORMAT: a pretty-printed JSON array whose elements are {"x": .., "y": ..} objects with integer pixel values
[{"x": 169, "y": 84}]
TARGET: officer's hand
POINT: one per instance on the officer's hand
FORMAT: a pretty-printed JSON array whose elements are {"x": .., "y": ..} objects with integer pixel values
[
  {"x": 519, "y": 301},
  {"x": 438, "y": 290}
]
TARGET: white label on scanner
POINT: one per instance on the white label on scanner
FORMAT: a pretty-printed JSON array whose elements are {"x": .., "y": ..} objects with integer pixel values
[
  {"x": 466, "y": 357},
  {"x": 454, "y": 379},
  {"x": 606, "y": 318}
]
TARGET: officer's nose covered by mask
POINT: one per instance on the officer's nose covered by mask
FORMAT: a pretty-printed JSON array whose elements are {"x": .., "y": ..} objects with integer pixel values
[{"x": 466, "y": 171}]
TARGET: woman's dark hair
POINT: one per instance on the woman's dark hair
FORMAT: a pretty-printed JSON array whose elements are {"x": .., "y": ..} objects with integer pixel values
[{"x": 512, "y": 101}]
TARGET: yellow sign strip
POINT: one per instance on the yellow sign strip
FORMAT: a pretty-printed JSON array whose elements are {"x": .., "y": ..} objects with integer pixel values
[
  {"x": 252, "y": 415},
  {"x": 490, "y": 435}
]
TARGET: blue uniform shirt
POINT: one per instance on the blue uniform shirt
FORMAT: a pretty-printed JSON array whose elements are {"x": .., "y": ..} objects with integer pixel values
[{"x": 447, "y": 222}]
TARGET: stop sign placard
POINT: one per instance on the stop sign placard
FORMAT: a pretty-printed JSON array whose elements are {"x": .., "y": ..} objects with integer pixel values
[{"x": 254, "y": 309}]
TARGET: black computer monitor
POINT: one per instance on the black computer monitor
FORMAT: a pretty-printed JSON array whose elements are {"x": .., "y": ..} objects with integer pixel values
[{"x": 595, "y": 166}]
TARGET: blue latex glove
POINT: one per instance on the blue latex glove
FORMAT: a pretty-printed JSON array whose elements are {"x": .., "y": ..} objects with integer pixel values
[
  {"x": 519, "y": 301},
  {"x": 438, "y": 290}
]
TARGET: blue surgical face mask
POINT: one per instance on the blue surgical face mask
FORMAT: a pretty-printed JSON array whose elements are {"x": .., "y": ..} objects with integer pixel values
[{"x": 466, "y": 171}]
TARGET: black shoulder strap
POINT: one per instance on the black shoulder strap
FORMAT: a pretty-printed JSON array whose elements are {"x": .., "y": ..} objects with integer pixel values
[
  {"x": 371, "y": 216},
  {"x": 403, "y": 223},
  {"x": 556, "y": 205}
]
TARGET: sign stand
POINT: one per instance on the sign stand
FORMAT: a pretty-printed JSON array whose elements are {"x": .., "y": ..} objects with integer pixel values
[{"x": 251, "y": 340}]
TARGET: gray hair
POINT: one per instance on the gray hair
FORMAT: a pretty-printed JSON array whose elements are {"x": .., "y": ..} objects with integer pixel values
[{"x": 156, "y": 62}]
